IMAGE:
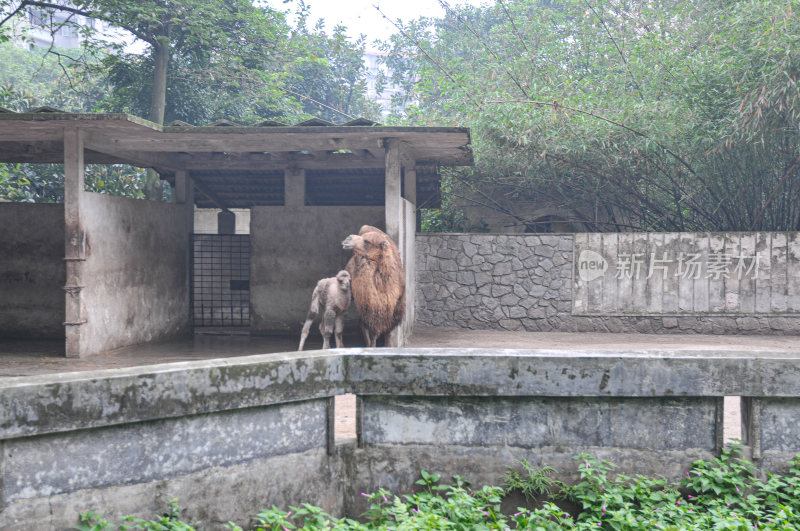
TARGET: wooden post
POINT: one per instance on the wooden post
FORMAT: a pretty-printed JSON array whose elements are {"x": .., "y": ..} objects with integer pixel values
[
  {"x": 294, "y": 187},
  {"x": 392, "y": 189},
  {"x": 74, "y": 240}
]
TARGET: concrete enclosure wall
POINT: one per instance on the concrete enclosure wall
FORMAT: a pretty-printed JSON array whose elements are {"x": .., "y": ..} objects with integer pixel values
[
  {"x": 32, "y": 270},
  {"x": 231, "y": 437},
  {"x": 293, "y": 248},
  {"x": 661, "y": 283},
  {"x": 136, "y": 271}
]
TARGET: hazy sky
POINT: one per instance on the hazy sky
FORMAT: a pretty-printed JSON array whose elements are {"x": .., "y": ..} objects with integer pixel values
[{"x": 361, "y": 17}]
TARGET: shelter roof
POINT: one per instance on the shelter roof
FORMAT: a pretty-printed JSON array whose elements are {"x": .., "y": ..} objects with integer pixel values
[{"x": 236, "y": 161}]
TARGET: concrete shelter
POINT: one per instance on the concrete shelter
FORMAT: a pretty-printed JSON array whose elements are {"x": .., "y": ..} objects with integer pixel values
[{"x": 107, "y": 272}]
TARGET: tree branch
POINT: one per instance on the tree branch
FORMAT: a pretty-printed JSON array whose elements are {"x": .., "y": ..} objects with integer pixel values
[{"x": 19, "y": 8}]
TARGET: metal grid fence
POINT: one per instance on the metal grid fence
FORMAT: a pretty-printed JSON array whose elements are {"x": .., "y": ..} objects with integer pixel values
[{"x": 221, "y": 280}]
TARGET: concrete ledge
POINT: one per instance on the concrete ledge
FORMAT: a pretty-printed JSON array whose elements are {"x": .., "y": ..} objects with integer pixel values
[
  {"x": 79, "y": 400},
  {"x": 70, "y": 401},
  {"x": 510, "y": 372}
]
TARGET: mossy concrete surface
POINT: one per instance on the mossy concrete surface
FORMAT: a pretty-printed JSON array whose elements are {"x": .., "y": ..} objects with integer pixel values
[{"x": 229, "y": 437}]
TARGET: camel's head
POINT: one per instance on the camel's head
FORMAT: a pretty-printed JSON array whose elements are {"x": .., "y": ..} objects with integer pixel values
[
  {"x": 343, "y": 278},
  {"x": 369, "y": 244}
]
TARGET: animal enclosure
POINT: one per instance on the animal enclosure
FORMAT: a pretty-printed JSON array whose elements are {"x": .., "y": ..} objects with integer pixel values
[{"x": 127, "y": 264}]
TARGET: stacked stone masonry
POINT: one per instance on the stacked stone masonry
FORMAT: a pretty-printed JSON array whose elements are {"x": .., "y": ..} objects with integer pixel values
[{"x": 524, "y": 282}]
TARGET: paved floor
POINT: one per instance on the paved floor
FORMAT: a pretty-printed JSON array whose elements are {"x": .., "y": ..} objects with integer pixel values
[{"x": 24, "y": 358}]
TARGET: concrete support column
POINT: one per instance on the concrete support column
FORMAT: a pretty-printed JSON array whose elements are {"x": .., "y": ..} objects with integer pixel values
[
  {"x": 410, "y": 184},
  {"x": 394, "y": 170},
  {"x": 184, "y": 188},
  {"x": 294, "y": 187},
  {"x": 74, "y": 239}
]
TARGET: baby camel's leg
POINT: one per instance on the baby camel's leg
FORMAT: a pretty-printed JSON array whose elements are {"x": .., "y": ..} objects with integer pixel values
[
  {"x": 326, "y": 327},
  {"x": 312, "y": 314},
  {"x": 338, "y": 329}
]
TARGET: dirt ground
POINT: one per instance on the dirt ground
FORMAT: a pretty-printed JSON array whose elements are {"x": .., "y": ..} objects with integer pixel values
[{"x": 23, "y": 358}]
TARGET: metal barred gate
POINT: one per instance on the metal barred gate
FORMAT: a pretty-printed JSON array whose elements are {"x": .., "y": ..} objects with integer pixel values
[{"x": 221, "y": 280}]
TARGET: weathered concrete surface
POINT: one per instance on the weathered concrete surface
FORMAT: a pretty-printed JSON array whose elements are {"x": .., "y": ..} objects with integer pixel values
[
  {"x": 175, "y": 430},
  {"x": 292, "y": 248},
  {"x": 734, "y": 273},
  {"x": 574, "y": 423},
  {"x": 32, "y": 270},
  {"x": 213, "y": 496},
  {"x": 509, "y": 372},
  {"x": 70, "y": 401},
  {"x": 158, "y": 450},
  {"x": 137, "y": 257},
  {"x": 774, "y": 430}
]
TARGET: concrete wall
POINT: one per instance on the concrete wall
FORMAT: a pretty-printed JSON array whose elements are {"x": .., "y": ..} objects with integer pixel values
[
  {"x": 32, "y": 270},
  {"x": 532, "y": 282},
  {"x": 231, "y": 437},
  {"x": 136, "y": 272},
  {"x": 293, "y": 248},
  {"x": 227, "y": 441}
]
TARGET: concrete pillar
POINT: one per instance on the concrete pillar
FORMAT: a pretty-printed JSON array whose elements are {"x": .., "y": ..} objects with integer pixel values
[
  {"x": 74, "y": 239},
  {"x": 410, "y": 184},
  {"x": 394, "y": 170},
  {"x": 294, "y": 187},
  {"x": 184, "y": 188},
  {"x": 394, "y": 215}
]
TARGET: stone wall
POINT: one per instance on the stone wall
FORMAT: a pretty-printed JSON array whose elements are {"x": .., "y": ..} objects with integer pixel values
[
  {"x": 231, "y": 437},
  {"x": 525, "y": 282}
]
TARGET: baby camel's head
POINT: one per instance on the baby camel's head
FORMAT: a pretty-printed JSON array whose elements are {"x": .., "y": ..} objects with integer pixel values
[{"x": 343, "y": 278}]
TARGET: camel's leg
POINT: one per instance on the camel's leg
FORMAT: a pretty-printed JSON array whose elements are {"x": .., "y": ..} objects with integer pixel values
[
  {"x": 326, "y": 327},
  {"x": 312, "y": 314},
  {"x": 393, "y": 338},
  {"x": 366, "y": 335},
  {"x": 306, "y": 329},
  {"x": 338, "y": 329}
]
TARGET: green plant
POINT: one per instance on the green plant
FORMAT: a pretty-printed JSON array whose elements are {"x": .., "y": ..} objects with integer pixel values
[
  {"x": 724, "y": 493},
  {"x": 535, "y": 482}
]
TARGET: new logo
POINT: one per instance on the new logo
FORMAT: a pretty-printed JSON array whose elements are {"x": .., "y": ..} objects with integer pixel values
[{"x": 591, "y": 265}]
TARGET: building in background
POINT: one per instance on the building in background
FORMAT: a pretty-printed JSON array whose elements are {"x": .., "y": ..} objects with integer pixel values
[
  {"x": 41, "y": 27},
  {"x": 379, "y": 84}
]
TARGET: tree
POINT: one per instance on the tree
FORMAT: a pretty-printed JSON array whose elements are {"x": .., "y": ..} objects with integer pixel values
[
  {"x": 232, "y": 32},
  {"x": 660, "y": 115}
]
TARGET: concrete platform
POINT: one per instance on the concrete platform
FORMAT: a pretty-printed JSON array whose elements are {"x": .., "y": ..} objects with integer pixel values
[{"x": 24, "y": 358}]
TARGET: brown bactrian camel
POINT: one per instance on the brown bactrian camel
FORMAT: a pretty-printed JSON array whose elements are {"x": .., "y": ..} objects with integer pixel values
[
  {"x": 379, "y": 282},
  {"x": 331, "y": 298}
]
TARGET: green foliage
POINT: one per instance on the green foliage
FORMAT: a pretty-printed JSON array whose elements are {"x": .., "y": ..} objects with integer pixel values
[
  {"x": 722, "y": 494},
  {"x": 226, "y": 60},
  {"x": 54, "y": 78},
  {"x": 534, "y": 482},
  {"x": 44, "y": 183},
  {"x": 663, "y": 115},
  {"x": 169, "y": 521},
  {"x": 32, "y": 183}
]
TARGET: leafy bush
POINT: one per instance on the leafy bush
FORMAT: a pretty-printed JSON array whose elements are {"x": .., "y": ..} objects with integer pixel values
[{"x": 725, "y": 493}]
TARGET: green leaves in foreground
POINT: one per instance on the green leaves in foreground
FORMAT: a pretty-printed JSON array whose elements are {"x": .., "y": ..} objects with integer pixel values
[{"x": 725, "y": 493}]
